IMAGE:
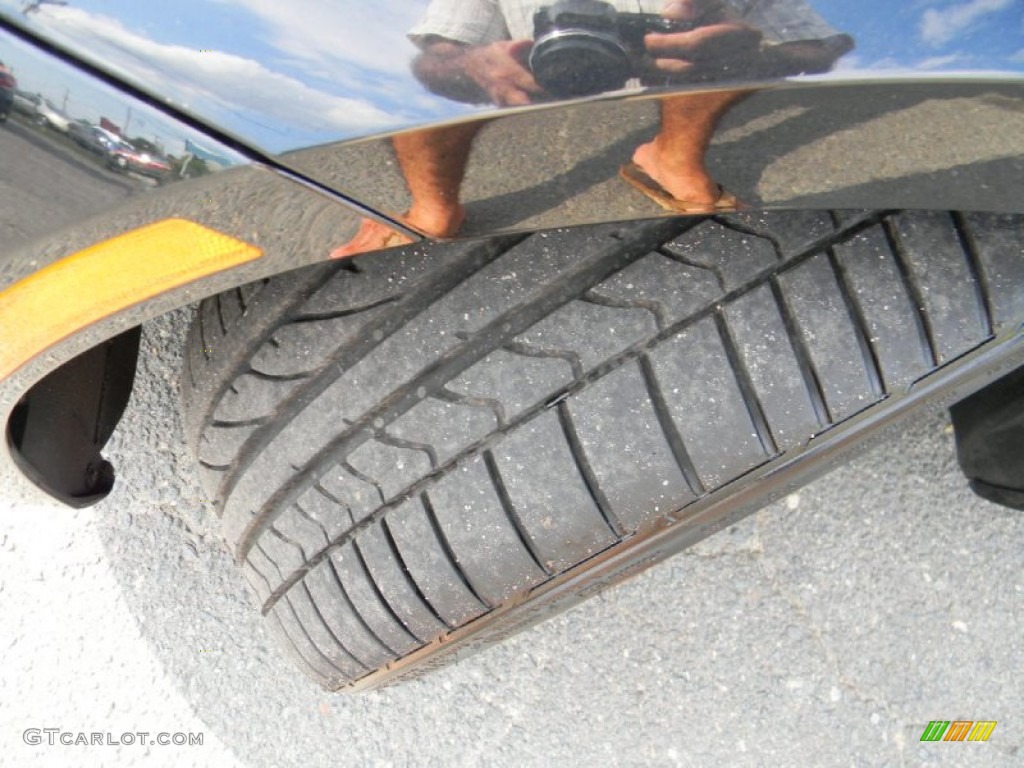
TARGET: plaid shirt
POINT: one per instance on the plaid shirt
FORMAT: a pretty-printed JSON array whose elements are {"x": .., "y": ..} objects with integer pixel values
[{"x": 477, "y": 22}]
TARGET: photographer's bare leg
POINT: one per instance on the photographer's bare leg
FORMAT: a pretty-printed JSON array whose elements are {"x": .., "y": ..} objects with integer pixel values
[
  {"x": 675, "y": 157},
  {"x": 433, "y": 164}
]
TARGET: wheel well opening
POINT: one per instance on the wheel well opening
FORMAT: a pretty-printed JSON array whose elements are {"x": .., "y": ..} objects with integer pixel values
[{"x": 58, "y": 428}]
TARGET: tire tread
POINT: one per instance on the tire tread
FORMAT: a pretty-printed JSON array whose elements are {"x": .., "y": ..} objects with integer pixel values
[{"x": 411, "y": 442}]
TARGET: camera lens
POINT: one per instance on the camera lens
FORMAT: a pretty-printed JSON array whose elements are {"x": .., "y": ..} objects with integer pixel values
[{"x": 570, "y": 63}]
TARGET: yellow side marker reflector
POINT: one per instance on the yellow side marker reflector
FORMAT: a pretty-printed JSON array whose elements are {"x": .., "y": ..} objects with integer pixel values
[{"x": 85, "y": 287}]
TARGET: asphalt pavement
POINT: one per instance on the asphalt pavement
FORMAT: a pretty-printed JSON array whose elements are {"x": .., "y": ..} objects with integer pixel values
[{"x": 828, "y": 629}]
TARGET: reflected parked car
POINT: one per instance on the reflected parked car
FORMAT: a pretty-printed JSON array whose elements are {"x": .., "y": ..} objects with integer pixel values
[
  {"x": 92, "y": 137},
  {"x": 80, "y": 131},
  {"x": 125, "y": 157},
  {"x": 48, "y": 115},
  {"x": 27, "y": 103}
]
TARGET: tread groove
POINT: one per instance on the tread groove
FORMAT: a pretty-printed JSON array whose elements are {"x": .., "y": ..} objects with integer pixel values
[
  {"x": 287, "y": 636},
  {"x": 316, "y": 317},
  {"x": 214, "y": 467},
  {"x": 510, "y": 512},
  {"x": 330, "y": 497},
  {"x": 323, "y": 622},
  {"x": 528, "y": 350},
  {"x": 746, "y": 386},
  {"x": 494, "y": 406},
  {"x": 273, "y": 377},
  {"x": 924, "y": 324},
  {"x": 737, "y": 226},
  {"x": 309, "y": 518},
  {"x": 812, "y": 382},
  {"x": 636, "y": 352},
  {"x": 579, "y": 457},
  {"x": 590, "y": 297},
  {"x": 204, "y": 344},
  {"x": 188, "y": 362},
  {"x": 359, "y": 476},
  {"x": 380, "y": 595},
  {"x": 982, "y": 290},
  {"x": 355, "y": 611},
  {"x": 669, "y": 428},
  {"x": 679, "y": 258},
  {"x": 283, "y": 538},
  {"x": 302, "y": 627},
  {"x": 387, "y": 438},
  {"x": 218, "y": 302},
  {"x": 861, "y": 330},
  {"x": 223, "y": 424},
  {"x": 267, "y": 557},
  {"x": 258, "y": 572},
  {"x": 446, "y": 546},
  {"x": 393, "y": 545}
]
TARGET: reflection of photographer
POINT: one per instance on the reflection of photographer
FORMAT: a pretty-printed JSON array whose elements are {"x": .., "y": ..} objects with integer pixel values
[
  {"x": 482, "y": 51},
  {"x": 479, "y": 51}
]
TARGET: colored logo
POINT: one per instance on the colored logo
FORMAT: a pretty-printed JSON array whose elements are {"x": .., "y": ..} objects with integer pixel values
[{"x": 958, "y": 730}]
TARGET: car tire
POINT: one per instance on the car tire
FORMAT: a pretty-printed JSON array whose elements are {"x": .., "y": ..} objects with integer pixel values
[{"x": 418, "y": 452}]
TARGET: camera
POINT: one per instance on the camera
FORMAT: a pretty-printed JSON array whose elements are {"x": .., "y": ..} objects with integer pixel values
[{"x": 583, "y": 47}]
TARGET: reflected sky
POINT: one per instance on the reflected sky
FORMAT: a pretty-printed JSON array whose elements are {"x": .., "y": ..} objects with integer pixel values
[
  {"x": 279, "y": 74},
  {"x": 930, "y": 35},
  {"x": 291, "y": 74}
]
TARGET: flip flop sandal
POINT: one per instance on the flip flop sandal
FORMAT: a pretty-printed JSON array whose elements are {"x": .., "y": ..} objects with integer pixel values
[{"x": 635, "y": 176}]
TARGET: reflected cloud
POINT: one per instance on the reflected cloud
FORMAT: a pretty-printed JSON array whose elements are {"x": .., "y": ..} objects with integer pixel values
[
  {"x": 336, "y": 36},
  {"x": 939, "y": 27},
  {"x": 856, "y": 68},
  {"x": 361, "y": 49},
  {"x": 213, "y": 82},
  {"x": 941, "y": 62}
]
